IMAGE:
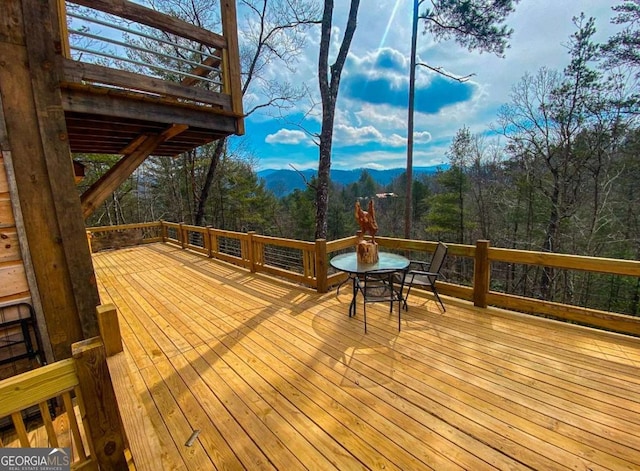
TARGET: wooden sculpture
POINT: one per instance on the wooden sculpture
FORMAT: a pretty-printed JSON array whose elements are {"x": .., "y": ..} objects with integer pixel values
[
  {"x": 367, "y": 250},
  {"x": 367, "y": 220}
]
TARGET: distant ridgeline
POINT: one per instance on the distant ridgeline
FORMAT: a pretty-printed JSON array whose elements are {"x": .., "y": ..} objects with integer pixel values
[{"x": 284, "y": 181}]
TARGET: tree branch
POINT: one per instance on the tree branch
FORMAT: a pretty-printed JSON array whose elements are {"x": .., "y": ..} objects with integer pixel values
[
  {"x": 439, "y": 70},
  {"x": 304, "y": 179}
]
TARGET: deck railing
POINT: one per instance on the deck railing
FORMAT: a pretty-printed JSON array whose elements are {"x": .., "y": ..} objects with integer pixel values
[
  {"x": 110, "y": 417},
  {"x": 307, "y": 263},
  {"x": 97, "y": 442},
  {"x": 112, "y": 45}
]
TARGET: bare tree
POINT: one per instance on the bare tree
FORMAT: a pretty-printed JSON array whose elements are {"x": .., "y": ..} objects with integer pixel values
[
  {"x": 546, "y": 121},
  {"x": 329, "y": 79},
  {"x": 274, "y": 34}
]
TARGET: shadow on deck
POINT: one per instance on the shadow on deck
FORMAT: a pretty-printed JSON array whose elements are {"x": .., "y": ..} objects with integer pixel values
[{"x": 277, "y": 376}]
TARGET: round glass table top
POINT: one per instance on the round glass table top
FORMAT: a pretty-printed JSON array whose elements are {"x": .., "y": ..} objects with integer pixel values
[{"x": 348, "y": 262}]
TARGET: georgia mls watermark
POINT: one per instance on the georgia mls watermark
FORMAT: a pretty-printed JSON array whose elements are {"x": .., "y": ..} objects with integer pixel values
[{"x": 35, "y": 459}]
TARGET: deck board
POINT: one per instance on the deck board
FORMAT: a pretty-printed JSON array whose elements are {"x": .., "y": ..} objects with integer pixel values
[{"x": 277, "y": 376}]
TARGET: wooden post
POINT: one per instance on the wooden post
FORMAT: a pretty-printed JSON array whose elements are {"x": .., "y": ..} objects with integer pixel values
[
  {"x": 182, "y": 235},
  {"x": 213, "y": 239},
  {"x": 143, "y": 441},
  {"x": 101, "y": 407},
  {"x": 163, "y": 231},
  {"x": 89, "y": 237},
  {"x": 109, "y": 329},
  {"x": 481, "y": 274},
  {"x": 250, "y": 255},
  {"x": 231, "y": 57},
  {"x": 207, "y": 241},
  {"x": 65, "y": 50},
  {"x": 185, "y": 236},
  {"x": 321, "y": 266}
]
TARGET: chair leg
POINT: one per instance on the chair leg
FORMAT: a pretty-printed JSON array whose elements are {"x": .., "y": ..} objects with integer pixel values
[
  {"x": 354, "y": 299},
  {"x": 364, "y": 310},
  {"x": 404, "y": 299},
  {"x": 435, "y": 291}
]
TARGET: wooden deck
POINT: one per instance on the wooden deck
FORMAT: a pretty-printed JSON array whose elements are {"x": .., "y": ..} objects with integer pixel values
[{"x": 278, "y": 376}]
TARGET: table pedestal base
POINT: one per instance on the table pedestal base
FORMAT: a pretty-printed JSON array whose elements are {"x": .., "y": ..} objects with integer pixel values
[{"x": 367, "y": 252}]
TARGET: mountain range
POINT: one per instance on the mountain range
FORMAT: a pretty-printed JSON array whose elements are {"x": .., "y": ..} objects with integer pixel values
[{"x": 283, "y": 181}]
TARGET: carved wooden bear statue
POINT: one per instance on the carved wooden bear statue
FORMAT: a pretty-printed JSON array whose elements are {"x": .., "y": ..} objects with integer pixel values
[{"x": 367, "y": 220}]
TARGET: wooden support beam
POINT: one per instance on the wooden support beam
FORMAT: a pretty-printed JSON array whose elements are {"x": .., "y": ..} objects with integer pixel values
[
  {"x": 63, "y": 31},
  {"x": 41, "y": 166},
  {"x": 107, "y": 184},
  {"x": 134, "y": 144},
  {"x": 121, "y": 104},
  {"x": 232, "y": 59}
]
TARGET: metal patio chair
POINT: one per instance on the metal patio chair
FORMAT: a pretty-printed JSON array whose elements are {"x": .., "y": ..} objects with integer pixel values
[
  {"x": 378, "y": 287},
  {"x": 425, "y": 274}
]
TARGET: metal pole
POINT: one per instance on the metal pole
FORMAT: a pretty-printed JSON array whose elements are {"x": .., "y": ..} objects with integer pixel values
[{"x": 408, "y": 211}]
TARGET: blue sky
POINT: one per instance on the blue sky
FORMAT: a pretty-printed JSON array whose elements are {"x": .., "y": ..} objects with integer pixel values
[{"x": 371, "y": 112}]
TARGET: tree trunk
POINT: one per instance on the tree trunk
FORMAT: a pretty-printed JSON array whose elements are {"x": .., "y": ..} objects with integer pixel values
[
  {"x": 198, "y": 217},
  {"x": 550, "y": 241},
  {"x": 324, "y": 172},
  {"x": 461, "y": 204},
  {"x": 329, "y": 85}
]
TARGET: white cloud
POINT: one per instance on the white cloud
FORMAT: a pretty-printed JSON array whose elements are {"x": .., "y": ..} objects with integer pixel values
[
  {"x": 376, "y": 159},
  {"x": 381, "y": 116},
  {"x": 358, "y": 136},
  {"x": 288, "y": 136},
  {"x": 541, "y": 31},
  {"x": 422, "y": 137},
  {"x": 351, "y": 135}
]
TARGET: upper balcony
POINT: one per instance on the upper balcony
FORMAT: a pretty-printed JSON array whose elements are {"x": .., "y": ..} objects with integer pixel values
[{"x": 129, "y": 72}]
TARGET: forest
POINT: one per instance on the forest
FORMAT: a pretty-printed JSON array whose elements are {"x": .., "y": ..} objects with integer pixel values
[{"x": 557, "y": 171}]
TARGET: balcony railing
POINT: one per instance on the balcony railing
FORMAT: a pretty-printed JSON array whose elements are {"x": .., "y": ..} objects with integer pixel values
[
  {"x": 307, "y": 263},
  {"x": 125, "y": 47}
]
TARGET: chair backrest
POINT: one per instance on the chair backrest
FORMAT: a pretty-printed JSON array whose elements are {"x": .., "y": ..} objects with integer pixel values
[{"x": 438, "y": 258}]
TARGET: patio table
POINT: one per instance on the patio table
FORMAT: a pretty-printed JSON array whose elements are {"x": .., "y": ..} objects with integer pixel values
[{"x": 349, "y": 264}]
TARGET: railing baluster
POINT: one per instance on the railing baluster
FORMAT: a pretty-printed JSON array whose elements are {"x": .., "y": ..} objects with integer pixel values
[
  {"x": 48, "y": 424},
  {"x": 73, "y": 425},
  {"x": 21, "y": 430}
]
